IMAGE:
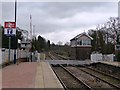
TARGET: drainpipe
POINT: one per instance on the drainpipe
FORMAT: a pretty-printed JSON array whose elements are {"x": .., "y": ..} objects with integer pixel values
[{"x": 76, "y": 48}]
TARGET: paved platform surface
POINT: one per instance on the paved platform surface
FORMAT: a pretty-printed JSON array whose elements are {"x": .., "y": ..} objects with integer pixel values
[
  {"x": 112, "y": 63},
  {"x": 0, "y": 78},
  {"x": 29, "y": 75},
  {"x": 19, "y": 76}
]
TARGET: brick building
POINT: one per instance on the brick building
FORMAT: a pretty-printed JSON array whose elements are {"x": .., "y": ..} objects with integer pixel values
[{"x": 81, "y": 46}]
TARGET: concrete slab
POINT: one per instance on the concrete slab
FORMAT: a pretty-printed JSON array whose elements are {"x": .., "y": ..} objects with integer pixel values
[
  {"x": 50, "y": 79},
  {"x": 111, "y": 63},
  {"x": 45, "y": 77}
]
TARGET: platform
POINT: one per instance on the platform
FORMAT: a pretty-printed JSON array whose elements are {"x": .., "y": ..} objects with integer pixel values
[
  {"x": 45, "y": 77},
  {"x": 29, "y": 75},
  {"x": 111, "y": 63}
]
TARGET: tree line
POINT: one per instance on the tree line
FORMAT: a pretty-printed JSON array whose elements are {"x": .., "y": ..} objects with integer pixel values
[
  {"x": 106, "y": 36},
  {"x": 40, "y": 44}
]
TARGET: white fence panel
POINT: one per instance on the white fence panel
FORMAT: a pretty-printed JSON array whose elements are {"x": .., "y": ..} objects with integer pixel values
[
  {"x": 3, "y": 56},
  {"x": 6, "y": 55},
  {"x": 109, "y": 57},
  {"x": 19, "y": 54},
  {"x": 23, "y": 54},
  {"x": 100, "y": 57},
  {"x": 96, "y": 57},
  {"x": 12, "y": 55}
]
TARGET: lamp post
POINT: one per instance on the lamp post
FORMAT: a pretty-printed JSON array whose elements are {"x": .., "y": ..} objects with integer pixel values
[
  {"x": 15, "y": 36},
  {"x": 9, "y": 47}
]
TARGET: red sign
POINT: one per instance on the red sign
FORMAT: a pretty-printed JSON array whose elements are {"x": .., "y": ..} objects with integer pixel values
[
  {"x": 9, "y": 25},
  {"x": 10, "y": 28}
]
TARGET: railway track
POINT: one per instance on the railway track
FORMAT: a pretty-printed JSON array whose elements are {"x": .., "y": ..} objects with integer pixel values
[
  {"x": 69, "y": 80},
  {"x": 108, "y": 73},
  {"x": 48, "y": 56},
  {"x": 55, "y": 56},
  {"x": 113, "y": 81},
  {"x": 103, "y": 73},
  {"x": 90, "y": 78}
]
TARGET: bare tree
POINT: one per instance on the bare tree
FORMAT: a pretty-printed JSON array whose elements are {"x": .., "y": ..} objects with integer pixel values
[
  {"x": 59, "y": 43},
  {"x": 67, "y": 43}
]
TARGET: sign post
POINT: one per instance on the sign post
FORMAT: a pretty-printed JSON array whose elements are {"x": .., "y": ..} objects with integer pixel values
[
  {"x": 9, "y": 47},
  {"x": 9, "y": 30}
]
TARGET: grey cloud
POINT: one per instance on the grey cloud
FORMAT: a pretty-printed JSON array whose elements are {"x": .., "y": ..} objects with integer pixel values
[
  {"x": 68, "y": 9},
  {"x": 8, "y": 11},
  {"x": 55, "y": 17},
  {"x": 62, "y": 10}
]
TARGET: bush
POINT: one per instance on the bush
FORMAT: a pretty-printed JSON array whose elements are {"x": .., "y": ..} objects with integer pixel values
[{"x": 118, "y": 56}]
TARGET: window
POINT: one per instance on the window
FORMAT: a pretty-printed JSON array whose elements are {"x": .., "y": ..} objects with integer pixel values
[
  {"x": 86, "y": 42},
  {"x": 80, "y": 42},
  {"x": 83, "y": 42}
]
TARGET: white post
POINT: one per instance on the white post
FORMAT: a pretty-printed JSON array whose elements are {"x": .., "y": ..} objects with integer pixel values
[
  {"x": 44, "y": 56},
  {"x": 38, "y": 59}
]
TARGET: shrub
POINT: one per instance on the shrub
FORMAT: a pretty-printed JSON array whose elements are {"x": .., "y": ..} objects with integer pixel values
[{"x": 118, "y": 56}]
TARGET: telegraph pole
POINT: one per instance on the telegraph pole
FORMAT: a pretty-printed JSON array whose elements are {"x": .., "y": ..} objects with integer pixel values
[
  {"x": 31, "y": 27},
  {"x": 33, "y": 31},
  {"x": 15, "y": 9},
  {"x": 31, "y": 36}
]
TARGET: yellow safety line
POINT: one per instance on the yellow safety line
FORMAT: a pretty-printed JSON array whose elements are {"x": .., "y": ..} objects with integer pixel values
[{"x": 39, "y": 82}]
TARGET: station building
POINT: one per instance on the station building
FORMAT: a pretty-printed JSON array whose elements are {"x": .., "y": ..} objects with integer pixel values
[
  {"x": 81, "y": 46},
  {"x": 25, "y": 42}
]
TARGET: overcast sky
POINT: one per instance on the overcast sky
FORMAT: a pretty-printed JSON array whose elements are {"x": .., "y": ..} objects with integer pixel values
[{"x": 60, "y": 21}]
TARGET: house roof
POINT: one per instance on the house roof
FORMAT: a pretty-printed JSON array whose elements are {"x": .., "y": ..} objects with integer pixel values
[{"x": 79, "y": 35}]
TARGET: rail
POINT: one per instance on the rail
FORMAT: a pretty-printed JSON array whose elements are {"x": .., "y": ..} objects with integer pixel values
[
  {"x": 59, "y": 78},
  {"x": 103, "y": 73},
  {"x": 101, "y": 79},
  {"x": 77, "y": 78}
]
